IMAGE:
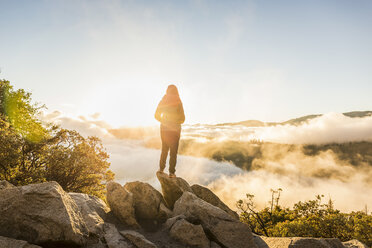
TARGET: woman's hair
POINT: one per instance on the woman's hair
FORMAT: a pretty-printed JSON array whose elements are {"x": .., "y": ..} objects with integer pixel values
[{"x": 172, "y": 90}]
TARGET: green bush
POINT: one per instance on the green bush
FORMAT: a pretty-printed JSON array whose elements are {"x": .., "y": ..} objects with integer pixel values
[{"x": 306, "y": 219}]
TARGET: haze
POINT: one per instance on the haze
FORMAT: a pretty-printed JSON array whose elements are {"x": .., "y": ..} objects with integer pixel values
[{"x": 232, "y": 60}]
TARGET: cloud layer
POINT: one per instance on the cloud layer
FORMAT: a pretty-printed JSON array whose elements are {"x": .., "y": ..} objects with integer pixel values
[
  {"x": 300, "y": 176},
  {"x": 328, "y": 128}
]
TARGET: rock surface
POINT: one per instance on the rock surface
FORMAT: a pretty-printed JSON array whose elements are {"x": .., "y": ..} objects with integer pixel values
[
  {"x": 147, "y": 201},
  {"x": 137, "y": 239},
  {"x": 93, "y": 210},
  {"x": 121, "y": 203},
  {"x": 171, "y": 221},
  {"x": 215, "y": 245},
  {"x": 189, "y": 234},
  {"x": 164, "y": 212},
  {"x": 114, "y": 239},
  {"x": 259, "y": 241},
  {"x": 354, "y": 243},
  {"x": 41, "y": 214},
  {"x": 172, "y": 188},
  {"x": 15, "y": 243},
  {"x": 208, "y": 196},
  {"x": 221, "y": 227},
  {"x": 274, "y": 242},
  {"x": 5, "y": 185}
]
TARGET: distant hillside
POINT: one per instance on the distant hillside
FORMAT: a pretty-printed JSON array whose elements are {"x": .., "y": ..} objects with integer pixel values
[{"x": 295, "y": 121}]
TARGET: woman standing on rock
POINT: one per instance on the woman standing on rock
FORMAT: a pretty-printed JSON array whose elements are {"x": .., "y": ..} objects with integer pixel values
[{"x": 170, "y": 114}]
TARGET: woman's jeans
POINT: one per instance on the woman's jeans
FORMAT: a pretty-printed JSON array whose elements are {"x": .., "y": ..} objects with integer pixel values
[{"x": 170, "y": 138}]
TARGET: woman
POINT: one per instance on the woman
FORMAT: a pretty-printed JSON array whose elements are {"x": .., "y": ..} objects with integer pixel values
[{"x": 170, "y": 114}]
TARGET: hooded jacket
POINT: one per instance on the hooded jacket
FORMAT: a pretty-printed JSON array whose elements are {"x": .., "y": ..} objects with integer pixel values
[{"x": 170, "y": 111}]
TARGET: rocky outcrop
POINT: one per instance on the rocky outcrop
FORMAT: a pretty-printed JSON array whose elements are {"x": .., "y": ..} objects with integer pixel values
[
  {"x": 15, "y": 243},
  {"x": 221, "y": 227},
  {"x": 147, "y": 202},
  {"x": 208, "y": 196},
  {"x": 189, "y": 234},
  {"x": 121, "y": 203},
  {"x": 45, "y": 215},
  {"x": 137, "y": 239},
  {"x": 5, "y": 185},
  {"x": 41, "y": 214},
  {"x": 172, "y": 188},
  {"x": 93, "y": 210},
  {"x": 354, "y": 243},
  {"x": 273, "y": 242}
]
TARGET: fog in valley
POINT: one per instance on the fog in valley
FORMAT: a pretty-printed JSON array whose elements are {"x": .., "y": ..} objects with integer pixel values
[{"x": 280, "y": 156}]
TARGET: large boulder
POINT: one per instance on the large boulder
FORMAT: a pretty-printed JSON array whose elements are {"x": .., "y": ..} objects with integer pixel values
[
  {"x": 147, "y": 201},
  {"x": 41, "y": 214},
  {"x": 121, "y": 203},
  {"x": 5, "y": 185},
  {"x": 189, "y": 234},
  {"x": 15, "y": 243},
  {"x": 299, "y": 242},
  {"x": 172, "y": 188},
  {"x": 354, "y": 243},
  {"x": 93, "y": 209},
  {"x": 220, "y": 226},
  {"x": 208, "y": 196},
  {"x": 137, "y": 239}
]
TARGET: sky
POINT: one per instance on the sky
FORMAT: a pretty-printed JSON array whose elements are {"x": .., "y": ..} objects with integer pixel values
[{"x": 231, "y": 60}]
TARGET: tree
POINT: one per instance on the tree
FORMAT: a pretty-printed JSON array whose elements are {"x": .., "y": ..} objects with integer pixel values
[
  {"x": 32, "y": 151},
  {"x": 10, "y": 147},
  {"x": 78, "y": 164},
  {"x": 16, "y": 107},
  {"x": 262, "y": 222}
]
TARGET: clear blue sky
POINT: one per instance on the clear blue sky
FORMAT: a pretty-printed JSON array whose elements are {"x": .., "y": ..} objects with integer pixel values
[{"x": 232, "y": 60}]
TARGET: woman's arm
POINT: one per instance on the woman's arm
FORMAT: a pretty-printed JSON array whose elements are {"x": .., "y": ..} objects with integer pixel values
[
  {"x": 158, "y": 112},
  {"x": 181, "y": 116}
]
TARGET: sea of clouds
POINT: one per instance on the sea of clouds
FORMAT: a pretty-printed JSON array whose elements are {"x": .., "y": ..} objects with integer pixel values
[
  {"x": 328, "y": 128},
  {"x": 296, "y": 173}
]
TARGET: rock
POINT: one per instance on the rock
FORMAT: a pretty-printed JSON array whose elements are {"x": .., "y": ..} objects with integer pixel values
[
  {"x": 122, "y": 204},
  {"x": 189, "y": 234},
  {"x": 299, "y": 242},
  {"x": 93, "y": 210},
  {"x": 164, "y": 213},
  {"x": 260, "y": 243},
  {"x": 208, "y": 196},
  {"x": 147, "y": 201},
  {"x": 114, "y": 239},
  {"x": 138, "y": 239},
  {"x": 215, "y": 245},
  {"x": 172, "y": 188},
  {"x": 41, "y": 214},
  {"x": 15, "y": 243},
  {"x": 5, "y": 185},
  {"x": 220, "y": 226},
  {"x": 354, "y": 243},
  {"x": 97, "y": 244},
  {"x": 170, "y": 222}
]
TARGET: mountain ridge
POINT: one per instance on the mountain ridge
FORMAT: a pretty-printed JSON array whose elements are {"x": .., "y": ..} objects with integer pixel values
[{"x": 294, "y": 121}]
